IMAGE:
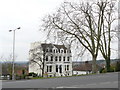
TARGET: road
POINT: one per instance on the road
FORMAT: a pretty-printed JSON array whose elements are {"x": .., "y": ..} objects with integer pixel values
[{"x": 108, "y": 80}]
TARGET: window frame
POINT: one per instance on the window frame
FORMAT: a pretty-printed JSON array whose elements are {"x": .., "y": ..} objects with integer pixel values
[
  {"x": 46, "y": 58},
  {"x": 56, "y": 58},
  {"x": 60, "y": 59}
]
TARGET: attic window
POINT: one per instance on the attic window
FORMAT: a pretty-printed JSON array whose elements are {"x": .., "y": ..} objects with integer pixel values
[
  {"x": 54, "y": 50},
  {"x": 50, "y": 50},
  {"x": 47, "y": 50},
  {"x": 44, "y": 50},
  {"x": 62, "y": 51},
  {"x": 59, "y": 50}
]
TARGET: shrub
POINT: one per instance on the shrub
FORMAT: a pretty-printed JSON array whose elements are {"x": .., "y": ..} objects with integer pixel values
[
  {"x": 112, "y": 68},
  {"x": 117, "y": 67},
  {"x": 101, "y": 70},
  {"x": 104, "y": 71},
  {"x": 33, "y": 74}
]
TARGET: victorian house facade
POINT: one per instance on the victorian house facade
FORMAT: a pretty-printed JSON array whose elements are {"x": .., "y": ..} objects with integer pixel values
[{"x": 50, "y": 59}]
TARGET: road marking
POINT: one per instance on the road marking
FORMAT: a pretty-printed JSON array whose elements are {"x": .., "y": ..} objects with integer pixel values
[
  {"x": 108, "y": 82},
  {"x": 76, "y": 86},
  {"x": 93, "y": 84}
]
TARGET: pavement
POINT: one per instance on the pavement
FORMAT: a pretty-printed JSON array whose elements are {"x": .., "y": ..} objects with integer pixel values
[{"x": 108, "y": 80}]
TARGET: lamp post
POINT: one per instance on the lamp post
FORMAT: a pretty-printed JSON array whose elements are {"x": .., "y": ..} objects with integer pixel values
[{"x": 13, "y": 69}]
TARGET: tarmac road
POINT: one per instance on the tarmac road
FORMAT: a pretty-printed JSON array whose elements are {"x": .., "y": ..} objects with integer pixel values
[{"x": 108, "y": 80}]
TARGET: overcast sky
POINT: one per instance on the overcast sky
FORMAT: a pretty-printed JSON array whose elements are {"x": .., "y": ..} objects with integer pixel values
[{"x": 26, "y": 14}]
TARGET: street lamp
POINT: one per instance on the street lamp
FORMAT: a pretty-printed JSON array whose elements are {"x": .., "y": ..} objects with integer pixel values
[{"x": 13, "y": 71}]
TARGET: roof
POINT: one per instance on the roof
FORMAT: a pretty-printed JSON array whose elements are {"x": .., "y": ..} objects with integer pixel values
[
  {"x": 44, "y": 46},
  {"x": 86, "y": 66},
  {"x": 83, "y": 67}
]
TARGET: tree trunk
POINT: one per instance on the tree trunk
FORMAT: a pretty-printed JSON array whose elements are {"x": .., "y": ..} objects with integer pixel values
[
  {"x": 108, "y": 64},
  {"x": 43, "y": 66},
  {"x": 43, "y": 70},
  {"x": 94, "y": 67}
]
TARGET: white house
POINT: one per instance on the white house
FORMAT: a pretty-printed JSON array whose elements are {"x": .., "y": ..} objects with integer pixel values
[
  {"x": 82, "y": 68},
  {"x": 56, "y": 59}
]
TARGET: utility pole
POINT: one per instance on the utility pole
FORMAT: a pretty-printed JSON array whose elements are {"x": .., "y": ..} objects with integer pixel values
[{"x": 119, "y": 29}]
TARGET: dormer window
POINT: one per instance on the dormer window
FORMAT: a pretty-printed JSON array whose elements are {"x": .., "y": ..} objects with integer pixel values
[
  {"x": 50, "y": 50},
  {"x": 54, "y": 50},
  {"x": 59, "y": 50},
  {"x": 47, "y": 50},
  {"x": 66, "y": 51},
  {"x": 62, "y": 51}
]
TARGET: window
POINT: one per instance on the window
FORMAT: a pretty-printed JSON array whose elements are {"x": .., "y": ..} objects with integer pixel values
[
  {"x": 59, "y": 58},
  {"x": 47, "y": 50},
  {"x": 56, "y": 68},
  {"x": 68, "y": 58},
  {"x": 64, "y": 51},
  {"x": 56, "y": 58},
  {"x": 51, "y": 58},
  {"x": 67, "y": 67},
  {"x": 46, "y": 58},
  {"x": 61, "y": 51},
  {"x": 63, "y": 58},
  {"x": 43, "y": 50},
  {"x": 60, "y": 68},
  {"x": 54, "y": 50},
  {"x": 50, "y": 50},
  {"x": 49, "y": 68}
]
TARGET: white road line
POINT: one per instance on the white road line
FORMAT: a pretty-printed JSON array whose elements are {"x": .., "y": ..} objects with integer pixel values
[
  {"x": 108, "y": 82},
  {"x": 93, "y": 84},
  {"x": 76, "y": 86}
]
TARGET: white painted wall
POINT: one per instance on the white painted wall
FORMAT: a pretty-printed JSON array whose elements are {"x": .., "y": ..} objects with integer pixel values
[
  {"x": 79, "y": 72},
  {"x": 35, "y": 68}
]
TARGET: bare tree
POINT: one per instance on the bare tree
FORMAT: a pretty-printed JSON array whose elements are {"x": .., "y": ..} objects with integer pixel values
[
  {"x": 36, "y": 58},
  {"x": 108, "y": 33},
  {"x": 79, "y": 23},
  {"x": 7, "y": 64}
]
